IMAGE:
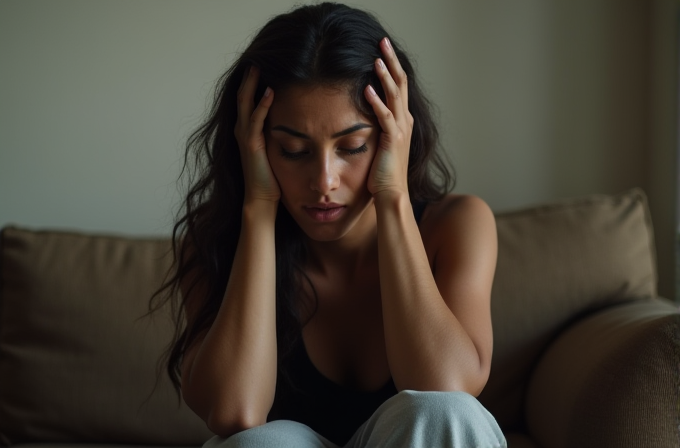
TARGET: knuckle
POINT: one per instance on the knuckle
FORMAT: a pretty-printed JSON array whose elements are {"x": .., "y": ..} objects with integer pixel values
[
  {"x": 399, "y": 74},
  {"x": 402, "y": 79}
]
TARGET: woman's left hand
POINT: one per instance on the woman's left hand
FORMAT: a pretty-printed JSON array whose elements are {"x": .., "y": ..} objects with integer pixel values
[{"x": 389, "y": 171}]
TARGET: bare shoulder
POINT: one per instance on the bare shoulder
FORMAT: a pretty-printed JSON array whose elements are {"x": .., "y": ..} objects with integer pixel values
[
  {"x": 458, "y": 206},
  {"x": 461, "y": 218}
]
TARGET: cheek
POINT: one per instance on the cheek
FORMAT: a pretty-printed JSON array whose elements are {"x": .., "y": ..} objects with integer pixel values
[
  {"x": 275, "y": 162},
  {"x": 360, "y": 170}
]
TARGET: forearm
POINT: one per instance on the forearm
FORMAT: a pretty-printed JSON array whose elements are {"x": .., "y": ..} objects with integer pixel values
[
  {"x": 232, "y": 378},
  {"x": 427, "y": 347}
]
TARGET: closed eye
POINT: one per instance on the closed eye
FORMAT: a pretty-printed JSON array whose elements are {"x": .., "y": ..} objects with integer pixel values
[
  {"x": 297, "y": 155},
  {"x": 293, "y": 155},
  {"x": 359, "y": 150}
]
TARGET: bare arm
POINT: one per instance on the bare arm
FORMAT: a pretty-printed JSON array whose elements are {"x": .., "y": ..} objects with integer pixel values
[
  {"x": 229, "y": 374},
  {"x": 437, "y": 324},
  {"x": 437, "y": 319},
  {"x": 229, "y": 377}
]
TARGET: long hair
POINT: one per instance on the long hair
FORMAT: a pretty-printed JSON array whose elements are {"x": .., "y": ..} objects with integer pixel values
[{"x": 323, "y": 44}]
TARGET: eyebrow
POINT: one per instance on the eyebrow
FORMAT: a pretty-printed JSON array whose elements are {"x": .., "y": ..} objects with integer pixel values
[{"x": 347, "y": 131}]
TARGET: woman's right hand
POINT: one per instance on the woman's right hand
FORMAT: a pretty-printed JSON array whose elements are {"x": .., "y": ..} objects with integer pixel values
[
  {"x": 260, "y": 183},
  {"x": 217, "y": 368}
]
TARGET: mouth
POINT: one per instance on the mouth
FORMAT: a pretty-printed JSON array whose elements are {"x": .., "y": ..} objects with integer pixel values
[{"x": 325, "y": 212}]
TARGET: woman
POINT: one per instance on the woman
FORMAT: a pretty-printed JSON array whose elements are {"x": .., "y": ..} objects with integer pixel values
[{"x": 330, "y": 285}]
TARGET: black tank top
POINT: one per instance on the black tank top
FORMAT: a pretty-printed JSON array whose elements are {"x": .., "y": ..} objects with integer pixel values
[{"x": 305, "y": 395}]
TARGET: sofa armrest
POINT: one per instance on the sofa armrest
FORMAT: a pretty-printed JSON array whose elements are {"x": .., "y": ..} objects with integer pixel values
[{"x": 611, "y": 379}]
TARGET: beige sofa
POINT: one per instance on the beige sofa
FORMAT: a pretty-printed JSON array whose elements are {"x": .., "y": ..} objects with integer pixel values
[{"x": 585, "y": 354}]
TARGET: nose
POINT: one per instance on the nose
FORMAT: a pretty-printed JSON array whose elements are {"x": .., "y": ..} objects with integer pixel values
[{"x": 325, "y": 176}]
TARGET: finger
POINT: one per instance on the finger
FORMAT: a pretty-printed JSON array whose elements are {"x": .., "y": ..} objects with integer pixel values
[
  {"x": 398, "y": 74},
  {"x": 246, "y": 94},
  {"x": 392, "y": 92},
  {"x": 384, "y": 114},
  {"x": 246, "y": 72},
  {"x": 260, "y": 113}
]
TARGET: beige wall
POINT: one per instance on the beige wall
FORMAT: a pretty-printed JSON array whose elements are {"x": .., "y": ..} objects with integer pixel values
[
  {"x": 662, "y": 149},
  {"x": 537, "y": 100}
]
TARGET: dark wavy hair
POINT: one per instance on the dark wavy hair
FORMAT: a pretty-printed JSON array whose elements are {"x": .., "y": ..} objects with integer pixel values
[{"x": 324, "y": 44}]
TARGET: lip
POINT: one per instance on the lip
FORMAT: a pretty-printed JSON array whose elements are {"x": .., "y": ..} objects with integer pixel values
[{"x": 325, "y": 212}]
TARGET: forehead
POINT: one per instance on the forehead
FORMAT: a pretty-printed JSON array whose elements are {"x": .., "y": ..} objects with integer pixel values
[{"x": 315, "y": 109}]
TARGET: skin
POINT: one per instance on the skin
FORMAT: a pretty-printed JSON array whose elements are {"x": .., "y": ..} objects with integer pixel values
[
  {"x": 325, "y": 165},
  {"x": 396, "y": 299}
]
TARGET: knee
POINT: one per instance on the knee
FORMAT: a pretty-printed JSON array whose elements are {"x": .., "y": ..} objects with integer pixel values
[
  {"x": 442, "y": 419},
  {"x": 457, "y": 412},
  {"x": 421, "y": 404},
  {"x": 283, "y": 433}
]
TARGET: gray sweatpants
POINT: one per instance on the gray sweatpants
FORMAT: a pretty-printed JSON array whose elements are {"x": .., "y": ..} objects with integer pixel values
[{"x": 409, "y": 419}]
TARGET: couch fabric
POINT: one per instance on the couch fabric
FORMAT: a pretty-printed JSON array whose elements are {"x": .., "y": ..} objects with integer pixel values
[
  {"x": 78, "y": 359},
  {"x": 592, "y": 386},
  {"x": 555, "y": 263},
  {"x": 584, "y": 352}
]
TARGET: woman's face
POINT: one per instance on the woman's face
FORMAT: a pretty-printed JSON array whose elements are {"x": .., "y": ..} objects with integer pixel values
[{"x": 320, "y": 148}]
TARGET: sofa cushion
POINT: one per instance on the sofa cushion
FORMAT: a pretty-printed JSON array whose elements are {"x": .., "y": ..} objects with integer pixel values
[
  {"x": 77, "y": 363},
  {"x": 611, "y": 379},
  {"x": 78, "y": 359},
  {"x": 556, "y": 263}
]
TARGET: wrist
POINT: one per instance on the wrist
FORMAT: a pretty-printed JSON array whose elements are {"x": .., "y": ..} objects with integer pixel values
[
  {"x": 259, "y": 211},
  {"x": 392, "y": 204},
  {"x": 391, "y": 198}
]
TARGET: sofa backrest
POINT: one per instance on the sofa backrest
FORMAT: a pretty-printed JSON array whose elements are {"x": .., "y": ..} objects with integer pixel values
[
  {"x": 556, "y": 263},
  {"x": 78, "y": 361}
]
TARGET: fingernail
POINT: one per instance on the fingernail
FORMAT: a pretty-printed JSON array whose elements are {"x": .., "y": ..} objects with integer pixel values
[
  {"x": 381, "y": 64},
  {"x": 388, "y": 43},
  {"x": 371, "y": 90},
  {"x": 267, "y": 92}
]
